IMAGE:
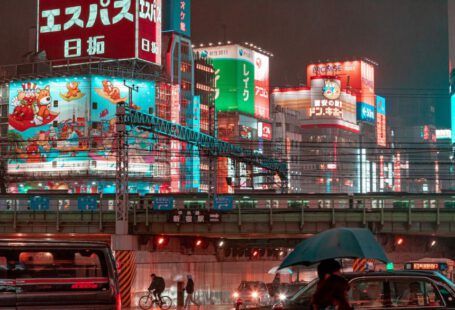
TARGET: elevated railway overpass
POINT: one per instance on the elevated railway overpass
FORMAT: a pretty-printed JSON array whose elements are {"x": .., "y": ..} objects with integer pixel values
[{"x": 246, "y": 216}]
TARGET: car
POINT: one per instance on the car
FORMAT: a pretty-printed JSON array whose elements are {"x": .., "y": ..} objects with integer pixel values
[
  {"x": 251, "y": 294},
  {"x": 41, "y": 274},
  {"x": 385, "y": 290}
]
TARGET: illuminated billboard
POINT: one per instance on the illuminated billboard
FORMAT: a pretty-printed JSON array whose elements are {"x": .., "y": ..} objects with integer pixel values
[
  {"x": 177, "y": 17},
  {"x": 365, "y": 112},
  {"x": 381, "y": 124},
  {"x": 324, "y": 104},
  {"x": 261, "y": 85},
  {"x": 117, "y": 29},
  {"x": 356, "y": 75},
  {"x": 241, "y": 79},
  {"x": 68, "y": 123}
]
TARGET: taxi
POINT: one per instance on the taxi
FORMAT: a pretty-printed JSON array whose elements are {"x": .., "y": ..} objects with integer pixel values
[{"x": 385, "y": 290}]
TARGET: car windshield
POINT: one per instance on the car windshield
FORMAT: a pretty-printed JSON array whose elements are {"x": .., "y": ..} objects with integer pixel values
[
  {"x": 248, "y": 286},
  {"x": 446, "y": 280}
]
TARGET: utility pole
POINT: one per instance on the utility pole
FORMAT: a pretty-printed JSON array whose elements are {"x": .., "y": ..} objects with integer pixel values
[{"x": 121, "y": 177}]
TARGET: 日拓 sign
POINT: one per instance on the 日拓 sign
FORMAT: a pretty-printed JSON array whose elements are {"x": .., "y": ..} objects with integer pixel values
[{"x": 113, "y": 29}]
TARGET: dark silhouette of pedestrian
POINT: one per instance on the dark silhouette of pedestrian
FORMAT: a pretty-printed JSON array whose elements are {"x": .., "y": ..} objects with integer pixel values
[
  {"x": 189, "y": 288},
  {"x": 332, "y": 294}
]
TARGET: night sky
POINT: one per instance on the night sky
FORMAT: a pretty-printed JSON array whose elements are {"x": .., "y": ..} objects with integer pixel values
[{"x": 408, "y": 38}]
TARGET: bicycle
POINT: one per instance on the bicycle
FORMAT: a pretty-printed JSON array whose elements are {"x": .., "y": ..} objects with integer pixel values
[{"x": 148, "y": 301}]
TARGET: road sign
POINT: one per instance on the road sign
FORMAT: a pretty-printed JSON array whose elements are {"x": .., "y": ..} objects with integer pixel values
[
  {"x": 38, "y": 203},
  {"x": 223, "y": 203},
  {"x": 163, "y": 203},
  {"x": 87, "y": 203}
]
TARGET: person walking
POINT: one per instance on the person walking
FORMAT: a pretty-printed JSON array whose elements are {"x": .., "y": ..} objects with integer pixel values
[{"x": 189, "y": 288}]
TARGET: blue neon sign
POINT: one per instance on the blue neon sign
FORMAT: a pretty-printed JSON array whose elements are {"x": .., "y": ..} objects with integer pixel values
[{"x": 365, "y": 112}]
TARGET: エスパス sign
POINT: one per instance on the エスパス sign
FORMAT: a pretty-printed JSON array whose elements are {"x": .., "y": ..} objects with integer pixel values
[{"x": 115, "y": 29}]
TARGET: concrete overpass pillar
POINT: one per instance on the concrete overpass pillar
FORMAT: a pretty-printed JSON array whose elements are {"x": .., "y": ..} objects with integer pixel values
[{"x": 125, "y": 247}]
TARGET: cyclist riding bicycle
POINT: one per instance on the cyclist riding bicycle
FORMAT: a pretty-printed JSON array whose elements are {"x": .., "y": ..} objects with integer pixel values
[{"x": 157, "y": 287}]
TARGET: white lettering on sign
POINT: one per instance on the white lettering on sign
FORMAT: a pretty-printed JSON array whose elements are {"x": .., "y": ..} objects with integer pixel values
[
  {"x": 73, "y": 47},
  {"x": 95, "y": 45},
  {"x": 104, "y": 14},
  {"x": 246, "y": 92},
  {"x": 150, "y": 10},
  {"x": 125, "y": 6},
  {"x": 217, "y": 77},
  {"x": 149, "y": 47},
  {"x": 50, "y": 21},
  {"x": 75, "y": 12},
  {"x": 73, "y": 15}
]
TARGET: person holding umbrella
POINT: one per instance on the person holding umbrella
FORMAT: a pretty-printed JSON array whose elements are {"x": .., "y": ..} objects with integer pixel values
[{"x": 332, "y": 294}]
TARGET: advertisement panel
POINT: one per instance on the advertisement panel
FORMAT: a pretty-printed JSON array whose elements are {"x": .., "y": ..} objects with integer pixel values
[
  {"x": 118, "y": 29},
  {"x": 68, "y": 123},
  {"x": 48, "y": 122},
  {"x": 397, "y": 173},
  {"x": 178, "y": 17},
  {"x": 261, "y": 86},
  {"x": 365, "y": 112},
  {"x": 265, "y": 131},
  {"x": 149, "y": 30},
  {"x": 107, "y": 92},
  {"x": 193, "y": 163},
  {"x": 381, "y": 124},
  {"x": 348, "y": 72},
  {"x": 234, "y": 78},
  {"x": 356, "y": 75},
  {"x": 175, "y": 144}
]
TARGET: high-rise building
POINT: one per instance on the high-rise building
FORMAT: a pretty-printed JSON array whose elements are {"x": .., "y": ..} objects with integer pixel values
[{"x": 243, "y": 112}]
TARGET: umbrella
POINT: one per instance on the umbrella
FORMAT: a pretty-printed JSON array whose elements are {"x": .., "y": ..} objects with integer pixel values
[
  {"x": 275, "y": 269},
  {"x": 336, "y": 243}
]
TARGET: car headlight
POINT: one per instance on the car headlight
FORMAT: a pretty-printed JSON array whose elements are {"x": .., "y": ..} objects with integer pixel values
[
  {"x": 235, "y": 295},
  {"x": 254, "y": 294},
  {"x": 281, "y": 297}
]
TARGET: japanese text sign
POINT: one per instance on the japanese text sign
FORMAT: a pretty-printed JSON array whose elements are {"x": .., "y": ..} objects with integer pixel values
[
  {"x": 115, "y": 29},
  {"x": 178, "y": 16}
]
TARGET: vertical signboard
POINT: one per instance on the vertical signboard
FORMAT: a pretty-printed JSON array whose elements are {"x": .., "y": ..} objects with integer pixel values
[
  {"x": 175, "y": 144},
  {"x": 381, "y": 125},
  {"x": 367, "y": 83},
  {"x": 116, "y": 29},
  {"x": 149, "y": 31},
  {"x": 261, "y": 85},
  {"x": 193, "y": 163},
  {"x": 178, "y": 17},
  {"x": 397, "y": 173}
]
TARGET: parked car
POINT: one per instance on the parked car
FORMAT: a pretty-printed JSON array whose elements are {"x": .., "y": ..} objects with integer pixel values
[
  {"x": 57, "y": 275},
  {"x": 251, "y": 294},
  {"x": 385, "y": 290}
]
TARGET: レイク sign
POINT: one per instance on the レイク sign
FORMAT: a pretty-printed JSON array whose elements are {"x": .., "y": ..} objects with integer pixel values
[{"x": 116, "y": 29}]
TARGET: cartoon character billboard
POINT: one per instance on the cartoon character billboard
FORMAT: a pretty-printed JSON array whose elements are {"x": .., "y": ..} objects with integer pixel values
[
  {"x": 68, "y": 123},
  {"x": 48, "y": 124}
]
